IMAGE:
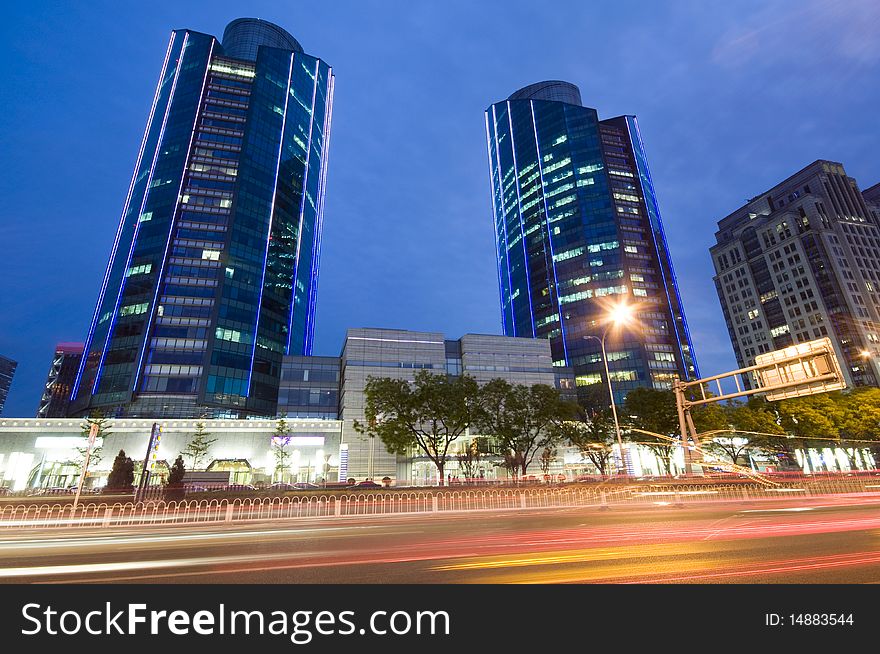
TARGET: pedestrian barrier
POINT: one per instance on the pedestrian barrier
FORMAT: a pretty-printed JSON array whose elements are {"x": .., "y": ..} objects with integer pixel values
[{"x": 399, "y": 502}]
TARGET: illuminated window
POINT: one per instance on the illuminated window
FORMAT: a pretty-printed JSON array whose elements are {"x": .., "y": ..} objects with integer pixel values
[
  {"x": 211, "y": 255},
  {"x": 142, "y": 269},
  {"x": 133, "y": 309}
]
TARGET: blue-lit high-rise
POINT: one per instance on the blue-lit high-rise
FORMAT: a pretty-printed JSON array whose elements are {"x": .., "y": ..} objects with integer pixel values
[
  {"x": 578, "y": 229},
  {"x": 213, "y": 273}
]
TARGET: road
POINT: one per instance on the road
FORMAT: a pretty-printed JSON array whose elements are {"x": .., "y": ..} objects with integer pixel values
[{"x": 827, "y": 540}]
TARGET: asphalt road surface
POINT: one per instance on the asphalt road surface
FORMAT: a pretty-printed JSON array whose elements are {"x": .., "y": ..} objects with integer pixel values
[{"x": 824, "y": 540}]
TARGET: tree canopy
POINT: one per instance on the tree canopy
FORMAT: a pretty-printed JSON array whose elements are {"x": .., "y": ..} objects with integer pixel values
[{"x": 429, "y": 414}]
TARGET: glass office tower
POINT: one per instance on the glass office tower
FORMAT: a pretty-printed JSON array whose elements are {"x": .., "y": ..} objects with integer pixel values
[
  {"x": 578, "y": 230},
  {"x": 7, "y": 370},
  {"x": 213, "y": 273}
]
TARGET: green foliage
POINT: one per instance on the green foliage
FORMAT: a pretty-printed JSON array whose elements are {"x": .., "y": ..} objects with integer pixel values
[
  {"x": 592, "y": 432},
  {"x": 813, "y": 416},
  {"x": 469, "y": 460},
  {"x": 548, "y": 456},
  {"x": 178, "y": 470},
  {"x": 654, "y": 411},
  {"x": 103, "y": 423},
  {"x": 199, "y": 444},
  {"x": 523, "y": 419},
  {"x": 281, "y": 447},
  {"x": 430, "y": 414},
  {"x": 122, "y": 474}
]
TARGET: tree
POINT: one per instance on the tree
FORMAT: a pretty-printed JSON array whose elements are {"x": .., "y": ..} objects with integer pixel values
[
  {"x": 430, "y": 413},
  {"x": 592, "y": 432},
  {"x": 469, "y": 460},
  {"x": 199, "y": 444},
  {"x": 750, "y": 425},
  {"x": 178, "y": 470},
  {"x": 122, "y": 474},
  {"x": 97, "y": 418},
  {"x": 654, "y": 411},
  {"x": 281, "y": 447},
  {"x": 548, "y": 456},
  {"x": 812, "y": 419},
  {"x": 860, "y": 423},
  {"x": 174, "y": 489},
  {"x": 524, "y": 419}
]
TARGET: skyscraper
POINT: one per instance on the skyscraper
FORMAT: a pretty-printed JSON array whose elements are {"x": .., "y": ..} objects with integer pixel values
[
  {"x": 7, "y": 370},
  {"x": 578, "y": 229},
  {"x": 802, "y": 261},
  {"x": 55, "y": 402},
  {"x": 213, "y": 274}
]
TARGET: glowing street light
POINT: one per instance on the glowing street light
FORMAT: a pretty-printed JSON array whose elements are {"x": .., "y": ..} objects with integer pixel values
[{"x": 619, "y": 315}]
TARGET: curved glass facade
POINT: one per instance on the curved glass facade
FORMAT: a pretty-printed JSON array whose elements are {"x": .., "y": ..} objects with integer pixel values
[
  {"x": 243, "y": 37},
  {"x": 577, "y": 229},
  {"x": 213, "y": 275}
]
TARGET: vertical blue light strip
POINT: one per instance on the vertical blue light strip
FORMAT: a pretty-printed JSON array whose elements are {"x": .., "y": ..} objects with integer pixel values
[
  {"x": 521, "y": 221},
  {"x": 271, "y": 216},
  {"x": 125, "y": 208},
  {"x": 183, "y": 175},
  {"x": 642, "y": 164},
  {"x": 140, "y": 211},
  {"x": 504, "y": 223},
  {"x": 316, "y": 257},
  {"x": 494, "y": 221},
  {"x": 549, "y": 232},
  {"x": 302, "y": 209}
]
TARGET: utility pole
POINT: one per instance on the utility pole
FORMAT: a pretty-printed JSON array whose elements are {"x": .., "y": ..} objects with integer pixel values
[{"x": 152, "y": 448}]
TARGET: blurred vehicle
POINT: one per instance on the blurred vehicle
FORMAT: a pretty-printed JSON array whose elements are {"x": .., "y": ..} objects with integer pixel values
[
  {"x": 55, "y": 490},
  {"x": 4, "y": 490},
  {"x": 282, "y": 487},
  {"x": 237, "y": 488},
  {"x": 197, "y": 489},
  {"x": 305, "y": 485},
  {"x": 367, "y": 483}
]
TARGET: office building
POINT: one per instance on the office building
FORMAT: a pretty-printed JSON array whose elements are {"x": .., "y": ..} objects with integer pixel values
[
  {"x": 578, "y": 230},
  {"x": 7, "y": 370},
  {"x": 213, "y": 273},
  {"x": 310, "y": 385},
  {"x": 59, "y": 382},
  {"x": 802, "y": 261}
]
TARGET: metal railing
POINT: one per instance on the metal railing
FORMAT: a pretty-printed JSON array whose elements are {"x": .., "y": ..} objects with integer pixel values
[{"x": 160, "y": 512}]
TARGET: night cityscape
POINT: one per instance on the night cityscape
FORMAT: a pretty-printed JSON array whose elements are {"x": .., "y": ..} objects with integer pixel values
[{"x": 471, "y": 293}]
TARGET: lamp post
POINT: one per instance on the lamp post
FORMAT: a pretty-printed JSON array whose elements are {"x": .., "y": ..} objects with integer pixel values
[{"x": 619, "y": 315}]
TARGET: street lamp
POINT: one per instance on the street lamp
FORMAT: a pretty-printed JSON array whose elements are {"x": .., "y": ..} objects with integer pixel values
[{"x": 621, "y": 314}]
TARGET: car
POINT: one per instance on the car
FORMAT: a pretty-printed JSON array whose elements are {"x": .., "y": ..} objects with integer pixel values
[
  {"x": 54, "y": 490},
  {"x": 305, "y": 485},
  {"x": 367, "y": 483},
  {"x": 237, "y": 488},
  {"x": 5, "y": 490},
  {"x": 281, "y": 487}
]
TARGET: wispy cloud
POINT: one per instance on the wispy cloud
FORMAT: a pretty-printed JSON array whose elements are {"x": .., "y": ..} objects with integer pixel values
[{"x": 848, "y": 30}]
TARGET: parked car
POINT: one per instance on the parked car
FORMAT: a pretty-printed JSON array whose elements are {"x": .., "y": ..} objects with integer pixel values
[
  {"x": 55, "y": 490},
  {"x": 282, "y": 487},
  {"x": 238, "y": 488},
  {"x": 305, "y": 485},
  {"x": 367, "y": 483}
]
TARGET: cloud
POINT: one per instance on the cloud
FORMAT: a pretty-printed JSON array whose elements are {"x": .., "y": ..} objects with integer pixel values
[{"x": 827, "y": 28}]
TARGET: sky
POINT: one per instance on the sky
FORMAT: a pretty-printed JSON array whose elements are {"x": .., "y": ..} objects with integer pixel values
[{"x": 731, "y": 97}]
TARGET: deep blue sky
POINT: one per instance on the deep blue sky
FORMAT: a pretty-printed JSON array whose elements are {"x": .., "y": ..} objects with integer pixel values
[{"x": 731, "y": 98}]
